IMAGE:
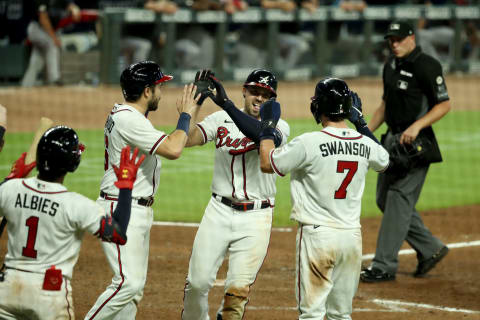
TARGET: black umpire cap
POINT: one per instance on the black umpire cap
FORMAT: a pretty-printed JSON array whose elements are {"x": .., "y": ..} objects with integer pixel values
[{"x": 399, "y": 29}]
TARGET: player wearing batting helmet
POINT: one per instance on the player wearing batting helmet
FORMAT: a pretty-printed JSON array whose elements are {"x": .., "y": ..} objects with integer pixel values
[
  {"x": 238, "y": 217},
  {"x": 44, "y": 224},
  {"x": 128, "y": 125},
  {"x": 328, "y": 214}
]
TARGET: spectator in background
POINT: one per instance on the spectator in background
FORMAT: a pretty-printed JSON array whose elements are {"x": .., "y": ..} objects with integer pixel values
[
  {"x": 253, "y": 37},
  {"x": 437, "y": 37},
  {"x": 13, "y": 21},
  {"x": 195, "y": 47},
  {"x": 137, "y": 38},
  {"x": 44, "y": 16}
]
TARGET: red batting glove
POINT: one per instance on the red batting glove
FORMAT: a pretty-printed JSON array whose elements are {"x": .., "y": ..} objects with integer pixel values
[
  {"x": 20, "y": 169},
  {"x": 127, "y": 172}
]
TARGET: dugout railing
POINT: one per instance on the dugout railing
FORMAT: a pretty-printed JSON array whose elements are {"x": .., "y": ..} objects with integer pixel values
[{"x": 112, "y": 21}]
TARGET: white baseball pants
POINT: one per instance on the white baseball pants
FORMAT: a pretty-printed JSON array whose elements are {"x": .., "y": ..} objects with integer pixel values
[
  {"x": 327, "y": 271},
  {"x": 129, "y": 264},
  {"x": 22, "y": 297},
  {"x": 245, "y": 236}
]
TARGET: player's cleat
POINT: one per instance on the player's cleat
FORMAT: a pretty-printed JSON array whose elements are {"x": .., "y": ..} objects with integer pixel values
[
  {"x": 427, "y": 265},
  {"x": 371, "y": 275}
]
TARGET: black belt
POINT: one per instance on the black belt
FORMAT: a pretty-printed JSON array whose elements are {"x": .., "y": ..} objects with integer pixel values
[
  {"x": 146, "y": 202},
  {"x": 240, "y": 205}
]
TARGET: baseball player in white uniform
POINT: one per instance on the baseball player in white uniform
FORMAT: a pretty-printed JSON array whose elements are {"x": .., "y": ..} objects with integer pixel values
[
  {"x": 328, "y": 170},
  {"x": 46, "y": 223},
  {"x": 127, "y": 124},
  {"x": 238, "y": 218}
]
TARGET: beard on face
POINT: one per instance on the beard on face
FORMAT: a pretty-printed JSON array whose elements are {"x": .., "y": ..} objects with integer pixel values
[{"x": 152, "y": 104}]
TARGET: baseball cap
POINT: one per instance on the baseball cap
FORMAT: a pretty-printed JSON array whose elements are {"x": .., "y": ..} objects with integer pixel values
[{"x": 400, "y": 29}]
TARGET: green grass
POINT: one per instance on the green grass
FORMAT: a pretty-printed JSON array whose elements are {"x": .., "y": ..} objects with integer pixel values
[{"x": 185, "y": 183}]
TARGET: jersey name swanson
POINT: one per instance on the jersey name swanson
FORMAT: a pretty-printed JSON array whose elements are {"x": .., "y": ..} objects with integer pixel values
[{"x": 345, "y": 147}]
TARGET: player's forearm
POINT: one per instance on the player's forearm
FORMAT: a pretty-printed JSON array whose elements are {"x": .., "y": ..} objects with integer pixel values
[
  {"x": 266, "y": 146},
  {"x": 121, "y": 215},
  {"x": 378, "y": 118},
  {"x": 437, "y": 112},
  {"x": 46, "y": 24},
  {"x": 248, "y": 125}
]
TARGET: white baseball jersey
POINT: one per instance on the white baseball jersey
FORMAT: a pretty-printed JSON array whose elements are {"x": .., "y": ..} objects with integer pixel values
[
  {"x": 46, "y": 223},
  {"x": 320, "y": 162},
  {"x": 237, "y": 173},
  {"x": 127, "y": 126}
]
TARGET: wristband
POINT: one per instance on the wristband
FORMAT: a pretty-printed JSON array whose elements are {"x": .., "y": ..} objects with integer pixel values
[
  {"x": 2, "y": 132},
  {"x": 184, "y": 122}
]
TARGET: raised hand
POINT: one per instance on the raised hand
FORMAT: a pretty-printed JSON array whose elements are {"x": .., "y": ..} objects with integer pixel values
[
  {"x": 204, "y": 85},
  {"x": 127, "y": 171},
  {"x": 356, "y": 116},
  {"x": 189, "y": 100},
  {"x": 269, "y": 114},
  {"x": 220, "y": 97},
  {"x": 20, "y": 169}
]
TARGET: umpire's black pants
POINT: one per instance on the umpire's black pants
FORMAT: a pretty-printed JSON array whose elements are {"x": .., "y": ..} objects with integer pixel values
[{"x": 397, "y": 197}]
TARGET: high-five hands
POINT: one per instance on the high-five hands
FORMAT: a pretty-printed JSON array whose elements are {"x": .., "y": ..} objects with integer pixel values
[
  {"x": 127, "y": 171},
  {"x": 206, "y": 84}
]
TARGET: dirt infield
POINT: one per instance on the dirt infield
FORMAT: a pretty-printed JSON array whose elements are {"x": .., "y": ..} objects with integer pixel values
[
  {"x": 87, "y": 107},
  {"x": 450, "y": 291}
]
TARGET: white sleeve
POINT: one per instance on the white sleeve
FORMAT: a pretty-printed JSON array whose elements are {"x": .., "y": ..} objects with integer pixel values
[
  {"x": 284, "y": 129},
  {"x": 141, "y": 133},
  {"x": 209, "y": 126},
  {"x": 290, "y": 156},
  {"x": 380, "y": 160},
  {"x": 86, "y": 216}
]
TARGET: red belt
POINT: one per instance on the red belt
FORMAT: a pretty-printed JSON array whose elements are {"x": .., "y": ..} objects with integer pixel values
[
  {"x": 240, "y": 205},
  {"x": 146, "y": 202}
]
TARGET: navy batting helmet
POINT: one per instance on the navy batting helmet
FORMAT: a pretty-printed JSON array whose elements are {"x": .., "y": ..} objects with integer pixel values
[
  {"x": 332, "y": 99},
  {"x": 58, "y": 152},
  {"x": 263, "y": 79},
  {"x": 138, "y": 76}
]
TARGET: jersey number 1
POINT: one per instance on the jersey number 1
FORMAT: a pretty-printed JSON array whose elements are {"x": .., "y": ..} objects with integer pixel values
[
  {"x": 28, "y": 250},
  {"x": 351, "y": 166}
]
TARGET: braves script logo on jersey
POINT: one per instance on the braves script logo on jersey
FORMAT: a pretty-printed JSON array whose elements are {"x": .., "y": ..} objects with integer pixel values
[{"x": 223, "y": 139}]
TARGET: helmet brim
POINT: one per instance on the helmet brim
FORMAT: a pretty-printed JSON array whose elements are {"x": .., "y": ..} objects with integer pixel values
[
  {"x": 165, "y": 78},
  {"x": 261, "y": 85}
]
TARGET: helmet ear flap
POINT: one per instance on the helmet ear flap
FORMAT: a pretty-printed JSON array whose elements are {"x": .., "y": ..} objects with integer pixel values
[{"x": 314, "y": 108}]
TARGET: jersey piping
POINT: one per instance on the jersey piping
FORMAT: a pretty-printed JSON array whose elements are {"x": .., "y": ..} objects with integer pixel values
[
  {"x": 157, "y": 143},
  {"x": 113, "y": 112},
  {"x": 343, "y": 138},
  {"x": 205, "y": 139},
  {"x": 43, "y": 192},
  {"x": 244, "y": 177},
  {"x": 274, "y": 167}
]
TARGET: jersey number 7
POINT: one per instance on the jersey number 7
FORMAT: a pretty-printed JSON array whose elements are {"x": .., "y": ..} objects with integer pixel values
[{"x": 351, "y": 167}]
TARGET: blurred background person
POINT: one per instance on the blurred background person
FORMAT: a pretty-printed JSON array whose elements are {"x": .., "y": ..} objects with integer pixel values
[{"x": 43, "y": 16}]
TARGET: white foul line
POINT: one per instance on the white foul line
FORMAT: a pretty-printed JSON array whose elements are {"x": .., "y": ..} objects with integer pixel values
[
  {"x": 195, "y": 225},
  {"x": 390, "y": 303},
  {"x": 411, "y": 251}
]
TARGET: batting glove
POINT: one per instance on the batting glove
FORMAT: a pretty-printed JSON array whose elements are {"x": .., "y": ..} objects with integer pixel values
[
  {"x": 20, "y": 169},
  {"x": 127, "y": 171}
]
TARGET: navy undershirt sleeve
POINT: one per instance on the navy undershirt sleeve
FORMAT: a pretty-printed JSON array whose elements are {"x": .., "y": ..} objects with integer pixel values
[
  {"x": 122, "y": 212},
  {"x": 248, "y": 125}
]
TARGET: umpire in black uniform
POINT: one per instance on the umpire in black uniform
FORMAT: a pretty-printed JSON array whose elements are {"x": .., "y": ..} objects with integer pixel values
[{"x": 414, "y": 97}]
